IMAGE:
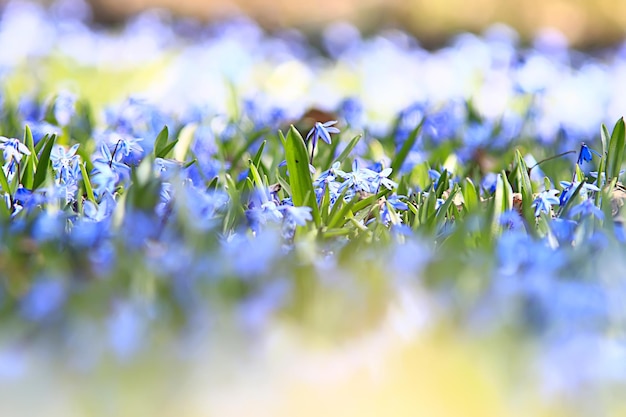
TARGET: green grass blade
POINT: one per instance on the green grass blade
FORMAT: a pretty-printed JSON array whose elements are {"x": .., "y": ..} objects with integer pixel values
[
  {"x": 28, "y": 173},
  {"x": 164, "y": 151},
  {"x": 44, "y": 162},
  {"x": 4, "y": 183},
  {"x": 87, "y": 183},
  {"x": 402, "y": 154},
  {"x": 616, "y": 150},
  {"x": 302, "y": 192},
  {"x": 470, "y": 195},
  {"x": 161, "y": 141},
  {"x": 344, "y": 154}
]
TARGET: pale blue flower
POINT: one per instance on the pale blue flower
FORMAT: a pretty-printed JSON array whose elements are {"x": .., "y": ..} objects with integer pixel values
[{"x": 544, "y": 201}]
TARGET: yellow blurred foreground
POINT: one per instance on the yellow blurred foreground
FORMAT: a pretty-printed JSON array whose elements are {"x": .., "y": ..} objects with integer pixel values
[{"x": 385, "y": 373}]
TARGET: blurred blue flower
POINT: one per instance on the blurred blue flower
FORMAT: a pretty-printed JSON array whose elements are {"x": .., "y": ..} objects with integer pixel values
[
  {"x": 102, "y": 211},
  {"x": 585, "y": 209},
  {"x": 299, "y": 215},
  {"x": 512, "y": 220},
  {"x": 44, "y": 298},
  {"x": 563, "y": 230},
  {"x": 126, "y": 330},
  {"x": 64, "y": 107}
]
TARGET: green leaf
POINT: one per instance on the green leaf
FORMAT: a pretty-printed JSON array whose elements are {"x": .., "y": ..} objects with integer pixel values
[
  {"x": 440, "y": 214},
  {"x": 4, "y": 183},
  {"x": 161, "y": 141},
  {"x": 442, "y": 183},
  {"x": 325, "y": 204},
  {"x": 163, "y": 152},
  {"x": 526, "y": 189},
  {"x": 366, "y": 202},
  {"x": 29, "y": 165},
  {"x": 254, "y": 173},
  {"x": 507, "y": 201},
  {"x": 402, "y": 154},
  {"x": 616, "y": 150},
  {"x": 339, "y": 202},
  {"x": 470, "y": 195},
  {"x": 283, "y": 183},
  {"x": 190, "y": 163},
  {"x": 340, "y": 210},
  {"x": 346, "y": 152},
  {"x": 44, "y": 162},
  {"x": 41, "y": 143},
  {"x": 604, "y": 138},
  {"x": 185, "y": 138},
  {"x": 302, "y": 192},
  {"x": 87, "y": 183},
  {"x": 251, "y": 140},
  {"x": 497, "y": 205},
  {"x": 255, "y": 161}
]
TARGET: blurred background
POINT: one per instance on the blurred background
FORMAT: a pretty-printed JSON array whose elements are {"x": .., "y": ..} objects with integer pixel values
[{"x": 585, "y": 23}]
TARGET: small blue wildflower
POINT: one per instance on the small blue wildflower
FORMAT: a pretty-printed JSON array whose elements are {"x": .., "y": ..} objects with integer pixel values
[
  {"x": 396, "y": 202},
  {"x": 322, "y": 131},
  {"x": 12, "y": 150},
  {"x": 381, "y": 178},
  {"x": 570, "y": 187},
  {"x": 127, "y": 146},
  {"x": 327, "y": 176},
  {"x": 544, "y": 201},
  {"x": 358, "y": 180},
  {"x": 109, "y": 170},
  {"x": 586, "y": 154},
  {"x": 64, "y": 163}
]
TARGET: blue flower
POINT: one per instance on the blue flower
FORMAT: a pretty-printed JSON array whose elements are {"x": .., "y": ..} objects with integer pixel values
[
  {"x": 299, "y": 215},
  {"x": 381, "y": 178},
  {"x": 544, "y": 201},
  {"x": 563, "y": 229},
  {"x": 102, "y": 211},
  {"x": 512, "y": 220},
  {"x": 65, "y": 163},
  {"x": 585, "y": 209},
  {"x": 322, "y": 131},
  {"x": 570, "y": 187},
  {"x": 396, "y": 202},
  {"x": 12, "y": 150},
  {"x": 586, "y": 154}
]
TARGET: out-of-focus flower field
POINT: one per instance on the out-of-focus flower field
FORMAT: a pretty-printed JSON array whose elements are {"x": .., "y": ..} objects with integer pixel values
[{"x": 214, "y": 220}]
